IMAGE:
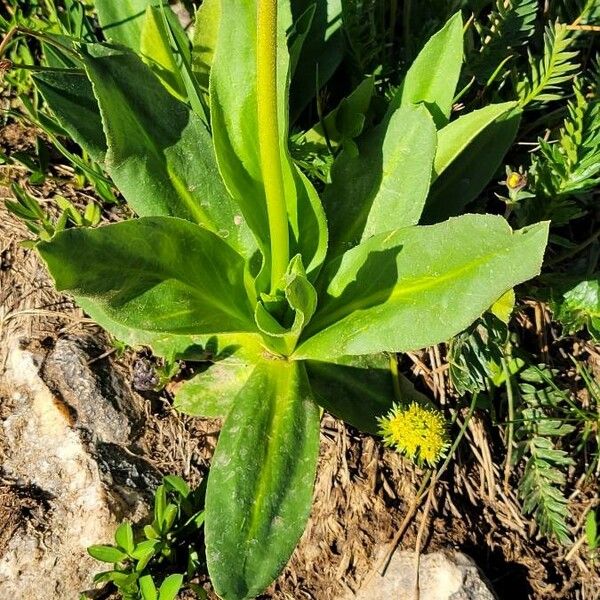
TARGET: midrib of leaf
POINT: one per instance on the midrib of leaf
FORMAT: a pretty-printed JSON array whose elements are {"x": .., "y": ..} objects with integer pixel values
[
  {"x": 202, "y": 218},
  {"x": 381, "y": 296},
  {"x": 276, "y": 417},
  {"x": 560, "y": 44}
]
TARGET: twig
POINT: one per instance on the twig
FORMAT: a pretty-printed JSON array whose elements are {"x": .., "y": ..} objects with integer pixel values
[
  {"x": 6, "y": 40},
  {"x": 103, "y": 355},
  {"x": 426, "y": 510},
  {"x": 594, "y": 28}
]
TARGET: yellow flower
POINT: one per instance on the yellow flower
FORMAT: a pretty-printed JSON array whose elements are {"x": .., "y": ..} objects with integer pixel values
[
  {"x": 516, "y": 181},
  {"x": 417, "y": 431}
]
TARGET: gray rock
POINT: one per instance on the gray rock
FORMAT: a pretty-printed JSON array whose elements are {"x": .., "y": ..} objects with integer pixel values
[
  {"x": 65, "y": 430},
  {"x": 441, "y": 576},
  {"x": 97, "y": 397}
]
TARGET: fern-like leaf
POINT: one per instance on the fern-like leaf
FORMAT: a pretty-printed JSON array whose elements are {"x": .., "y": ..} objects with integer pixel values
[
  {"x": 475, "y": 355},
  {"x": 547, "y": 76},
  {"x": 508, "y": 27},
  {"x": 565, "y": 172},
  {"x": 538, "y": 434},
  {"x": 540, "y": 487},
  {"x": 572, "y": 165}
]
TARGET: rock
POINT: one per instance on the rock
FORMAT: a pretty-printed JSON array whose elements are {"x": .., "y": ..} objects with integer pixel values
[
  {"x": 100, "y": 401},
  {"x": 442, "y": 576},
  {"x": 65, "y": 426}
]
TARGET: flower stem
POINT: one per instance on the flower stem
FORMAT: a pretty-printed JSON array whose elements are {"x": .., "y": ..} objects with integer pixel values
[{"x": 268, "y": 138}]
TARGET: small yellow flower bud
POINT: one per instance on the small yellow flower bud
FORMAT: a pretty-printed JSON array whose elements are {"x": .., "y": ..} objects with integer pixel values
[{"x": 516, "y": 181}]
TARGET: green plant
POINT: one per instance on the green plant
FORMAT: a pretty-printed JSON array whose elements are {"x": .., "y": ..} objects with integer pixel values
[
  {"x": 591, "y": 534},
  {"x": 55, "y": 18},
  {"x": 546, "y": 76},
  {"x": 506, "y": 28},
  {"x": 565, "y": 171},
  {"x": 553, "y": 429},
  {"x": 537, "y": 436},
  {"x": 156, "y": 562},
  {"x": 42, "y": 225},
  {"x": 302, "y": 296}
]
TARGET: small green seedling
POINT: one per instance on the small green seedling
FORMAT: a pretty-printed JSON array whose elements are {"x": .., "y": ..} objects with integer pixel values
[{"x": 146, "y": 563}]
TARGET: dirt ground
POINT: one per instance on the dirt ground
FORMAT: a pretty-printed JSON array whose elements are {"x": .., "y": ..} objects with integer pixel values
[{"x": 366, "y": 496}]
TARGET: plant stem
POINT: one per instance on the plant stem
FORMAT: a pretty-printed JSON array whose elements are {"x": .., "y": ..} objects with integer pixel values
[
  {"x": 511, "y": 426},
  {"x": 268, "y": 138}
]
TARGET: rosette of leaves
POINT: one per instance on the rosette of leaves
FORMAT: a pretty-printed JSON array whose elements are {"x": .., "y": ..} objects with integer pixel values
[{"x": 301, "y": 295}]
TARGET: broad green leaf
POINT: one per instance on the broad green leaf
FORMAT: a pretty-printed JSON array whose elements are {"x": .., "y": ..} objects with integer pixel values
[
  {"x": 355, "y": 389},
  {"x": 157, "y": 274},
  {"x": 155, "y": 47},
  {"x": 170, "y": 587},
  {"x": 206, "y": 33},
  {"x": 419, "y": 286},
  {"x": 124, "y": 537},
  {"x": 456, "y": 136},
  {"x": 236, "y": 127},
  {"x": 471, "y": 171},
  {"x": 433, "y": 76},
  {"x": 108, "y": 554},
  {"x": 385, "y": 186},
  {"x": 160, "y": 154},
  {"x": 261, "y": 480},
  {"x": 148, "y": 588},
  {"x": 121, "y": 20},
  {"x": 71, "y": 98},
  {"x": 212, "y": 392},
  {"x": 167, "y": 345}
]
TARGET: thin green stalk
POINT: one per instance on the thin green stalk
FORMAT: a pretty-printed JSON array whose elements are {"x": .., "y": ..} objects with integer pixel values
[
  {"x": 511, "y": 417},
  {"x": 268, "y": 138},
  {"x": 395, "y": 377}
]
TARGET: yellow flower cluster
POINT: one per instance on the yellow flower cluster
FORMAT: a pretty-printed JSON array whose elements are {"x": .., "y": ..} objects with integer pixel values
[{"x": 417, "y": 431}]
